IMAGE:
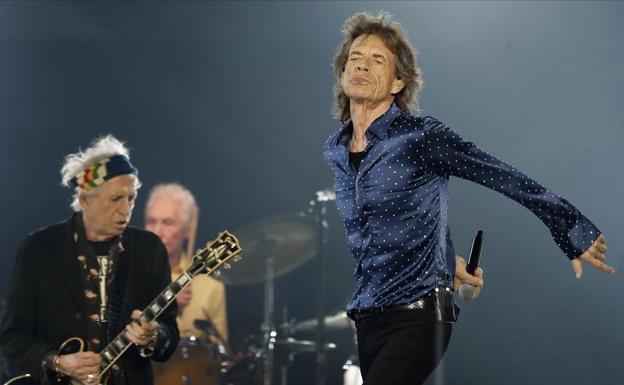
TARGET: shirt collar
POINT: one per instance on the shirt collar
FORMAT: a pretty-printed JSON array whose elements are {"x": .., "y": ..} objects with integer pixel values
[{"x": 379, "y": 127}]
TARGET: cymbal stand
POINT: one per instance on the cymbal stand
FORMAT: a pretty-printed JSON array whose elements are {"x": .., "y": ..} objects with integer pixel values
[
  {"x": 268, "y": 327},
  {"x": 284, "y": 356},
  {"x": 320, "y": 203}
]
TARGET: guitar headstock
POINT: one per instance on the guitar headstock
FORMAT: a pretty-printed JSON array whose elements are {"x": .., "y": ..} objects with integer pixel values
[{"x": 217, "y": 253}]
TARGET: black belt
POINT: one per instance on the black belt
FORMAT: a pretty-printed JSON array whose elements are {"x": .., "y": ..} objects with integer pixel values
[{"x": 425, "y": 303}]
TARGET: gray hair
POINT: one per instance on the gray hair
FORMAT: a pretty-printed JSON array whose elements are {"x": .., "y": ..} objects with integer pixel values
[
  {"x": 101, "y": 148},
  {"x": 397, "y": 42},
  {"x": 179, "y": 194}
]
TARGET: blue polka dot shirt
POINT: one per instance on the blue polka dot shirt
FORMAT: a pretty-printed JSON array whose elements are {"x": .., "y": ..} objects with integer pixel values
[{"x": 394, "y": 207}]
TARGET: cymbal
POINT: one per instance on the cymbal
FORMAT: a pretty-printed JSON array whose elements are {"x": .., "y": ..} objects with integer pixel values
[
  {"x": 290, "y": 239},
  {"x": 299, "y": 346}
]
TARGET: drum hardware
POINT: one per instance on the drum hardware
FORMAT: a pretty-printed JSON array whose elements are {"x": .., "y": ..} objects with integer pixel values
[
  {"x": 193, "y": 362},
  {"x": 352, "y": 374},
  {"x": 320, "y": 208},
  {"x": 293, "y": 346},
  {"x": 274, "y": 247},
  {"x": 289, "y": 239},
  {"x": 248, "y": 368},
  {"x": 286, "y": 347},
  {"x": 338, "y": 321},
  {"x": 243, "y": 369},
  {"x": 211, "y": 331}
]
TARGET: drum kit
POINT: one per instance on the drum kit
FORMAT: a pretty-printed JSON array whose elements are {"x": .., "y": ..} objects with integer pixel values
[{"x": 271, "y": 248}]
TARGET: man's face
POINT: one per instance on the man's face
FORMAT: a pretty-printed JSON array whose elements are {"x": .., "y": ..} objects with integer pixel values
[
  {"x": 107, "y": 214},
  {"x": 370, "y": 71},
  {"x": 163, "y": 217}
]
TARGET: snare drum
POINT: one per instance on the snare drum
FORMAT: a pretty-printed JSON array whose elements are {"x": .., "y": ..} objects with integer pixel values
[{"x": 193, "y": 362}]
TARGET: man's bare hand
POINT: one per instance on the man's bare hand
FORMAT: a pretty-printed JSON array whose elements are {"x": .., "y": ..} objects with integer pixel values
[
  {"x": 595, "y": 256},
  {"x": 82, "y": 366},
  {"x": 461, "y": 276}
]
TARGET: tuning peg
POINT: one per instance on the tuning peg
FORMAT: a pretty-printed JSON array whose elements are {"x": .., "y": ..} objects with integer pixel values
[
  {"x": 227, "y": 266},
  {"x": 237, "y": 258},
  {"x": 217, "y": 273}
]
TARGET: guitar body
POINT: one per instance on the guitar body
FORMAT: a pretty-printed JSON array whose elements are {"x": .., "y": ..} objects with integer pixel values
[
  {"x": 25, "y": 379},
  {"x": 70, "y": 346}
]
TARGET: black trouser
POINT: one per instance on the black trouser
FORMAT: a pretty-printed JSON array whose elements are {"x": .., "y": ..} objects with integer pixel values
[{"x": 401, "y": 347}]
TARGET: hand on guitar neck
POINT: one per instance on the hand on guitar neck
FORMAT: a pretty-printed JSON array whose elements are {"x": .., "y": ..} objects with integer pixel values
[{"x": 141, "y": 332}]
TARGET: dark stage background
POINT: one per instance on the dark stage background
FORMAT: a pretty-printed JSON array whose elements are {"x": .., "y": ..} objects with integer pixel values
[{"x": 233, "y": 100}]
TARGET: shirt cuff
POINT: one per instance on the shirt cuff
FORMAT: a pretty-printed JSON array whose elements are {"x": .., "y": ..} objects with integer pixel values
[{"x": 579, "y": 238}]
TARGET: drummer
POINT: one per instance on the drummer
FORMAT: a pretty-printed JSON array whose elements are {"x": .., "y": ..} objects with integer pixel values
[{"x": 171, "y": 213}]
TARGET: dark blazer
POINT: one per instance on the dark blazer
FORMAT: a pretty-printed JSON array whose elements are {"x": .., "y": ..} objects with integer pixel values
[{"x": 44, "y": 304}]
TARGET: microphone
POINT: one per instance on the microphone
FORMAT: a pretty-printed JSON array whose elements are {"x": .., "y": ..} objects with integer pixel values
[{"x": 466, "y": 290}]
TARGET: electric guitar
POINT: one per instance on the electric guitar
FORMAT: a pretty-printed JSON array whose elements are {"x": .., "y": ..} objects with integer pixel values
[{"x": 207, "y": 261}]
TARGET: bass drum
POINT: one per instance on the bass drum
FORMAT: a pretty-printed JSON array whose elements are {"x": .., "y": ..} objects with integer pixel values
[{"x": 193, "y": 362}]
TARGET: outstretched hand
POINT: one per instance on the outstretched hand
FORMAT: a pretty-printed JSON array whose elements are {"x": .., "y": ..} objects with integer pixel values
[{"x": 595, "y": 256}]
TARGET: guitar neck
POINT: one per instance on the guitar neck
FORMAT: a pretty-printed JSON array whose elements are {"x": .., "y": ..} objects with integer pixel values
[
  {"x": 118, "y": 346},
  {"x": 206, "y": 261}
]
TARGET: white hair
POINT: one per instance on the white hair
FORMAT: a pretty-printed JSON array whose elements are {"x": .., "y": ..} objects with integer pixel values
[
  {"x": 178, "y": 194},
  {"x": 101, "y": 148}
]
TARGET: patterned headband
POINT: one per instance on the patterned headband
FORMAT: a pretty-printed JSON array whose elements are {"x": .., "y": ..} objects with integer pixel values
[{"x": 99, "y": 172}]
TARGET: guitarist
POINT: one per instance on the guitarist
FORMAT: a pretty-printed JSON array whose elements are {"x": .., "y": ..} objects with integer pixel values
[{"x": 86, "y": 277}]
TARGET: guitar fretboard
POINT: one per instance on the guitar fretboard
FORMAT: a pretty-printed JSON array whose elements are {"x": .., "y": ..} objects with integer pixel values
[{"x": 206, "y": 261}]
